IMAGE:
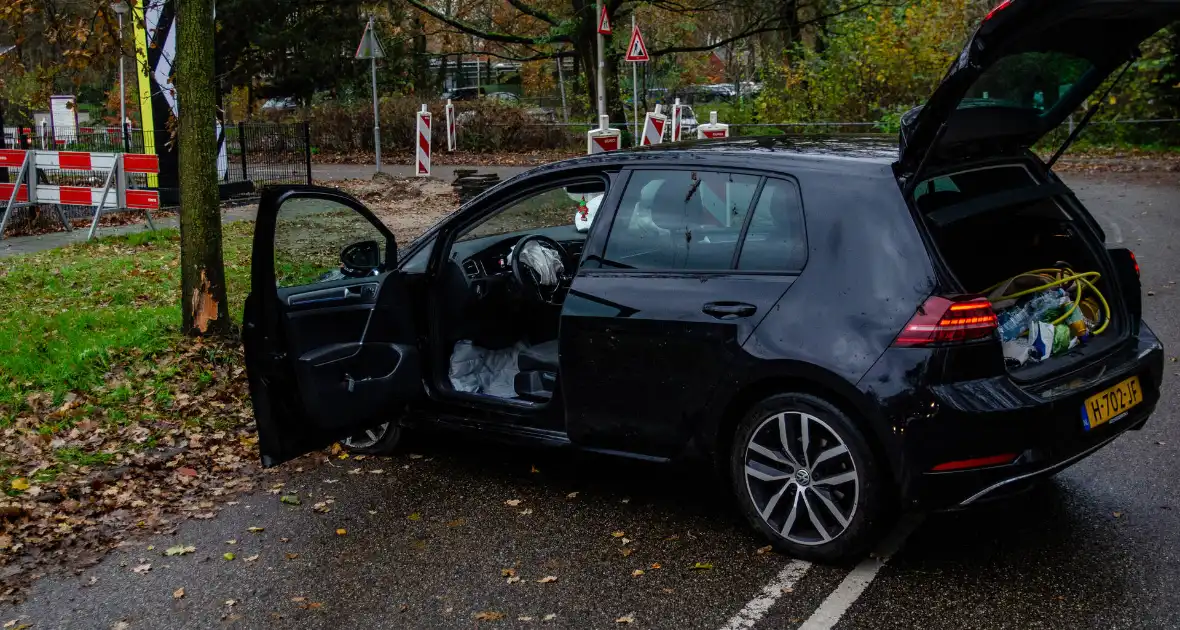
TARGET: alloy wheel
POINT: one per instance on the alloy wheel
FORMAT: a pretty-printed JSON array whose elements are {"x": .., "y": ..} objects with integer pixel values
[
  {"x": 801, "y": 478},
  {"x": 367, "y": 438}
]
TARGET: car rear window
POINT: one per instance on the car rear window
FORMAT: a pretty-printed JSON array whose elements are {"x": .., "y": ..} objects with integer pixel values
[
  {"x": 776, "y": 239},
  {"x": 1027, "y": 80}
]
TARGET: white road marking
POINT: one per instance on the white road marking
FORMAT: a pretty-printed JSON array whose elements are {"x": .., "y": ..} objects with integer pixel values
[
  {"x": 756, "y": 608},
  {"x": 834, "y": 607}
]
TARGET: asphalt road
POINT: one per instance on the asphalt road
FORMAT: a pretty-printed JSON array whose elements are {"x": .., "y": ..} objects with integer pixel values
[{"x": 428, "y": 537}]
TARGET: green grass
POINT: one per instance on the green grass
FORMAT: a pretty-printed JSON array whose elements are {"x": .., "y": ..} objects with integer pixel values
[{"x": 66, "y": 313}]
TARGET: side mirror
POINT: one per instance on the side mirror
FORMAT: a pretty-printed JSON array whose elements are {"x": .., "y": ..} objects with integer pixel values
[{"x": 360, "y": 259}]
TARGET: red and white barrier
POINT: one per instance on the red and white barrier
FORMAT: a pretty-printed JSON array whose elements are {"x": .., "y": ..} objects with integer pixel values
[
  {"x": 712, "y": 129},
  {"x": 677, "y": 112},
  {"x": 422, "y": 162},
  {"x": 653, "y": 127},
  {"x": 112, "y": 195},
  {"x": 602, "y": 139},
  {"x": 452, "y": 140}
]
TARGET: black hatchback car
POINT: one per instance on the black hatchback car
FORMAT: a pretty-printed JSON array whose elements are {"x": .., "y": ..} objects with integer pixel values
[{"x": 810, "y": 315}]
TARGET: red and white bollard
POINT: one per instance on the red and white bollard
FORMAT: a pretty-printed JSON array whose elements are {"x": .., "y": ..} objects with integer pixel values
[
  {"x": 653, "y": 127},
  {"x": 602, "y": 139},
  {"x": 422, "y": 163},
  {"x": 713, "y": 129},
  {"x": 677, "y": 111},
  {"x": 452, "y": 140}
]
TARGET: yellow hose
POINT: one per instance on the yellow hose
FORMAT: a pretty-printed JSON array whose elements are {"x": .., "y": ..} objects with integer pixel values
[{"x": 1067, "y": 275}]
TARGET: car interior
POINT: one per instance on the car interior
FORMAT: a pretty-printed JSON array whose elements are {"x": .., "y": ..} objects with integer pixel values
[{"x": 501, "y": 293}]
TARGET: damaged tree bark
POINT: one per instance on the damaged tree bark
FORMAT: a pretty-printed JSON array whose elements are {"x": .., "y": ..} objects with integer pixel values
[{"x": 203, "y": 296}]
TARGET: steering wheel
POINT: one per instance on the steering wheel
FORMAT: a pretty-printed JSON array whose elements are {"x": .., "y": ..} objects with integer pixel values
[{"x": 539, "y": 267}]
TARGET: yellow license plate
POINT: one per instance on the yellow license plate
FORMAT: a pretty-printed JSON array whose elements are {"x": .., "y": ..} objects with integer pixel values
[{"x": 1111, "y": 403}]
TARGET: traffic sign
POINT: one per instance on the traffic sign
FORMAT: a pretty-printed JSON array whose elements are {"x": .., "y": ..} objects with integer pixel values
[
  {"x": 603, "y": 23},
  {"x": 370, "y": 46},
  {"x": 637, "y": 50}
]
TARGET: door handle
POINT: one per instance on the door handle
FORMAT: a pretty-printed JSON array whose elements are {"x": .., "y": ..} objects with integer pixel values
[{"x": 729, "y": 310}]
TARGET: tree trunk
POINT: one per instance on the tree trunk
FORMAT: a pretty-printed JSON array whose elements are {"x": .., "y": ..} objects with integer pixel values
[{"x": 203, "y": 297}]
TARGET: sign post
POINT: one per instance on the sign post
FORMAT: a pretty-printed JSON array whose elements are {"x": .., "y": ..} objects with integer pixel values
[
  {"x": 449, "y": 110},
  {"x": 370, "y": 48},
  {"x": 603, "y": 29},
  {"x": 636, "y": 52}
]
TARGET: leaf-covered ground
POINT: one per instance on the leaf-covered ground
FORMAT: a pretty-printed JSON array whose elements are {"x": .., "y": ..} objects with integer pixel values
[{"x": 111, "y": 422}]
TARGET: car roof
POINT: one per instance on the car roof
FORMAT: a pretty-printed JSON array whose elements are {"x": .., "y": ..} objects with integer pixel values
[{"x": 860, "y": 154}]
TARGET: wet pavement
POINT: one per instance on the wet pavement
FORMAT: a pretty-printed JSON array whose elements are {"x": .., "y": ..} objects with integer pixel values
[{"x": 431, "y": 540}]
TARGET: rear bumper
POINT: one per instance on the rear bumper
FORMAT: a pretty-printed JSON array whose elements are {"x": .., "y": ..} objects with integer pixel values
[{"x": 1041, "y": 426}]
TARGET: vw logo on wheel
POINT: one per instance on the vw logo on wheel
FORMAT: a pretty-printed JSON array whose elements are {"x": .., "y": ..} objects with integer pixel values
[{"x": 802, "y": 477}]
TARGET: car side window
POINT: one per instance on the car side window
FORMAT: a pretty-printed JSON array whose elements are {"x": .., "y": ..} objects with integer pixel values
[
  {"x": 680, "y": 219},
  {"x": 776, "y": 239},
  {"x": 315, "y": 237}
]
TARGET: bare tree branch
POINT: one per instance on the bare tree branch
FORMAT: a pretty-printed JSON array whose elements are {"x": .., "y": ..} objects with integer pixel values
[
  {"x": 503, "y": 38},
  {"x": 533, "y": 12}
]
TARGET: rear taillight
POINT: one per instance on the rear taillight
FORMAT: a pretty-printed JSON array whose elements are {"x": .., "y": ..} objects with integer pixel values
[
  {"x": 999, "y": 7},
  {"x": 1135, "y": 261},
  {"x": 944, "y": 320}
]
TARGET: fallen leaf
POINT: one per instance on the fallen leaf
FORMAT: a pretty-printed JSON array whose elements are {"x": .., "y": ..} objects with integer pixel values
[
  {"x": 178, "y": 593},
  {"x": 377, "y": 471},
  {"x": 668, "y": 591},
  {"x": 617, "y": 534},
  {"x": 415, "y": 456},
  {"x": 788, "y": 589},
  {"x": 626, "y": 551},
  {"x": 637, "y": 573},
  {"x": 20, "y": 483},
  {"x": 290, "y": 499},
  {"x": 120, "y": 625},
  {"x": 507, "y": 572},
  {"x": 628, "y": 618},
  {"x": 403, "y": 608},
  {"x": 626, "y": 500},
  {"x": 230, "y": 602},
  {"x": 762, "y": 550},
  {"x": 701, "y": 566},
  {"x": 457, "y": 522},
  {"x": 321, "y": 507},
  {"x": 526, "y": 511},
  {"x": 355, "y": 471},
  {"x": 283, "y": 540},
  {"x": 1118, "y": 514},
  {"x": 572, "y": 495},
  {"x": 251, "y": 558},
  {"x": 524, "y": 618},
  {"x": 255, "y": 530},
  {"x": 341, "y": 531},
  {"x": 626, "y": 540},
  {"x": 179, "y": 550},
  {"x": 489, "y": 615},
  {"x": 547, "y": 579},
  {"x": 512, "y": 502},
  {"x": 513, "y": 580},
  {"x": 141, "y": 569},
  {"x": 534, "y": 469},
  {"x": 228, "y": 556},
  {"x": 415, "y": 517},
  {"x": 232, "y": 541},
  {"x": 185, "y": 471},
  {"x": 292, "y": 556},
  {"x": 298, "y": 599},
  {"x": 655, "y": 565},
  {"x": 549, "y": 617}
]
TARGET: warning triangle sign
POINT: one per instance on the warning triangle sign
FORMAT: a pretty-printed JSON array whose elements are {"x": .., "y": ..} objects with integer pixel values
[
  {"x": 604, "y": 22},
  {"x": 370, "y": 47},
  {"x": 637, "y": 50}
]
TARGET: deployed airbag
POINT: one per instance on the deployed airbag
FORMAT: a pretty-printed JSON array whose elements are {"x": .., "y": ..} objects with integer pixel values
[{"x": 479, "y": 370}]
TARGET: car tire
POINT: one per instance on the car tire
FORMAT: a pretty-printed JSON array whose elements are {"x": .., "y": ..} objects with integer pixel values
[
  {"x": 828, "y": 507},
  {"x": 380, "y": 440}
]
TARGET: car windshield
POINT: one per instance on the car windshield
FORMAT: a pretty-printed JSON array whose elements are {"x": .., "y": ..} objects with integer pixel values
[{"x": 1028, "y": 80}]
